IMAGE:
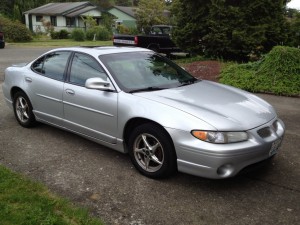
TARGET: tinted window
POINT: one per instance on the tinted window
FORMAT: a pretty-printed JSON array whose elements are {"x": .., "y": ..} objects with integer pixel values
[
  {"x": 52, "y": 65},
  {"x": 85, "y": 67},
  {"x": 137, "y": 70},
  {"x": 37, "y": 66}
]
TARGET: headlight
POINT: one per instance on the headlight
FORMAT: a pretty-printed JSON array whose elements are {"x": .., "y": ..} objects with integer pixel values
[{"x": 220, "y": 137}]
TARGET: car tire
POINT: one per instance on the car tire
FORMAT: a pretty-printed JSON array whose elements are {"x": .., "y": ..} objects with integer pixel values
[
  {"x": 23, "y": 110},
  {"x": 151, "y": 151}
]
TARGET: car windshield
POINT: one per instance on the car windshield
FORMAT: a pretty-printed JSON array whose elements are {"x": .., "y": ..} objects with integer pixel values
[{"x": 145, "y": 71}]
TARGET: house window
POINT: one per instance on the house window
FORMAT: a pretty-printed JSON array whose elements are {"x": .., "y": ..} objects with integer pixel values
[
  {"x": 70, "y": 21},
  {"x": 53, "y": 21},
  {"x": 38, "y": 18}
]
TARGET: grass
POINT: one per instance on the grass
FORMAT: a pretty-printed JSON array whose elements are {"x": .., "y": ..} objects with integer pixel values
[
  {"x": 26, "y": 202},
  {"x": 46, "y": 42}
]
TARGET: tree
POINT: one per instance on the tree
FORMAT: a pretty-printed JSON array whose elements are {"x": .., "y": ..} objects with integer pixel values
[
  {"x": 294, "y": 28},
  {"x": 150, "y": 13},
  {"x": 190, "y": 18},
  {"x": 230, "y": 29}
]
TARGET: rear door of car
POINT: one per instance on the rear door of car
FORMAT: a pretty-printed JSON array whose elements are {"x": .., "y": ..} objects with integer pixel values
[
  {"x": 87, "y": 111},
  {"x": 45, "y": 83}
]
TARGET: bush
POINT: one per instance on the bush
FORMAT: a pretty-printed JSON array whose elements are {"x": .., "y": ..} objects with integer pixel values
[
  {"x": 102, "y": 33},
  {"x": 89, "y": 35},
  {"x": 15, "y": 31},
  {"x": 278, "y": 72},
  {"x": 54, "y": 35},
  {"x": 78, "y": 35},
  {"x": 63, "y": 34}
]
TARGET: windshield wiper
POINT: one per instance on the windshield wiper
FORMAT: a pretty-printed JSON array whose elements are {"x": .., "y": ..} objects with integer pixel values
[
  {"x": 146, "y": 89},
  {"x": 188, "y": 82}
]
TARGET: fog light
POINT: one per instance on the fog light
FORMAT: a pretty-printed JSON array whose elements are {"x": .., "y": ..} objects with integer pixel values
[{"x": 225, "y": 170}]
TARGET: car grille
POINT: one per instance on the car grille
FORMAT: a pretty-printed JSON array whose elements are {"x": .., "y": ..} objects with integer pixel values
[
  {"x": 264, "y": 132},
  {"x": 267, "y": 131}
]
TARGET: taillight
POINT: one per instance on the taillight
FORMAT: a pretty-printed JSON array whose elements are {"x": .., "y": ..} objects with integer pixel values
[{"x": 136, "y": 40}]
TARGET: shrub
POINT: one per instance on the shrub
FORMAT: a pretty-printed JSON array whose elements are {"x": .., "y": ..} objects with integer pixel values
[
  {"x": 78, "y": 35},
  {"x": 122, "y": 29},
  {"x": 63, "y": 34},
  {"x": 15, "y": 31},
  {"x": 278, "y": 72},
  {"x": 54, "y": 35},
  {"x": 102, "y": 33},
  {"x": 90, "y": 33}
]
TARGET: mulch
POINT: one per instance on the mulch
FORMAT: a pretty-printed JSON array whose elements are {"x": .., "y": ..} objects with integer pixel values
[{"x": 206, "y": 70}]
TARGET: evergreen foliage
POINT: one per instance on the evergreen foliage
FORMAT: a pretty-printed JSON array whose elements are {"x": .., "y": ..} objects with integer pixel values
[
  {"x": 294, "y": 28},
  {"x": 229, "y": 29},
  {"x": 100, "y": 33},
  {"x": 278, "y": 72},
  {"x": 14, "y": 30},
  {"x": 62, "y": 34},
  {"x": 78, "y": 34}
]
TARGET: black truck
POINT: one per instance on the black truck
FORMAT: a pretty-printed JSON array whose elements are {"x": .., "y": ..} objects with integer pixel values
[
  {"x": 159, "y": 40},
  {"x": 2, "y": 42}
]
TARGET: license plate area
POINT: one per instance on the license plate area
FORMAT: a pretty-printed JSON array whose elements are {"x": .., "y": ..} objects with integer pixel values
[{"x": 275, "y": 146}]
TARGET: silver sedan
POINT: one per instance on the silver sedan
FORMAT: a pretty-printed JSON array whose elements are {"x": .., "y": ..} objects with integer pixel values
[{"x": 138, "y": 102}]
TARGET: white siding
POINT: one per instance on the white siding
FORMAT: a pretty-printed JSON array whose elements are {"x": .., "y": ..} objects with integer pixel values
[
  {"x": 94, "y": 13},
  {"x": 60, "y": 21}
]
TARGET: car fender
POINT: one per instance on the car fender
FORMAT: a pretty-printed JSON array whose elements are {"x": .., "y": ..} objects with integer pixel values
[{"x": 132, "y": 106}]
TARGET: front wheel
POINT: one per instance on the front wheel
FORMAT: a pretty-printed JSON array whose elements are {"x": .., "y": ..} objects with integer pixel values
[
  {"x": 151, "y": 151},
  {"x": 23, "y": 110}
]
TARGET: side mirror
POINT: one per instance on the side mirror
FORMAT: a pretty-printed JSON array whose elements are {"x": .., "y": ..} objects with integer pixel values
[{"x": 98, "y": 84}]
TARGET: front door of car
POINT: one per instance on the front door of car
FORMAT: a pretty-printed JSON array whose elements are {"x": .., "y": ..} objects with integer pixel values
[
  {"x": 45, "y": 82},
  {"x": 87, "y": 111}
]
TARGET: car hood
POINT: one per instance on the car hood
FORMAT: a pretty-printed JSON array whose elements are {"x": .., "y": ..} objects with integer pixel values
[{"x": 224, "y": 107}]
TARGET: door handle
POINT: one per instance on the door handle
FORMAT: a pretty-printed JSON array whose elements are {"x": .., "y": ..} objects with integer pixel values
[
  {"x": 28, "y": 79},
  {"x": 70, "y": 92}
]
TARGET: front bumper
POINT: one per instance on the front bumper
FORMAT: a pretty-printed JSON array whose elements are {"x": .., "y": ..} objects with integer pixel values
[{"x": 226, "y": 160}]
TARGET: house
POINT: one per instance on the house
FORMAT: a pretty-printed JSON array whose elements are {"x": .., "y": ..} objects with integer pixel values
[
  {"x": 61, "y": 15},
  {"x": 126, "y": 15},
  {"x": 123, "y": 15}
]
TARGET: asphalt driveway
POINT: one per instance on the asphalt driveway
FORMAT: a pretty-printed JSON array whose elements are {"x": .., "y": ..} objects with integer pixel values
[{"x": 105, "y": 181}]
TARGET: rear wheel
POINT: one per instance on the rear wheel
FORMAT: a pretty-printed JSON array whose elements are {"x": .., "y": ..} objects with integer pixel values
[
  {"x": 23, "y": 110},
  {"x": 151, "y": 151}
]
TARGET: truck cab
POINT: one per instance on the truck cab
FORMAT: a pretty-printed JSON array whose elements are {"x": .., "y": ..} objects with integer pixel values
[{"x": 159, "y": 40}]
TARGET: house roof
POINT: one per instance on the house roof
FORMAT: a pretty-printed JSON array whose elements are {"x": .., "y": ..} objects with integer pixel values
[
  {"x": 127, "y": 10},
  {"x": 68, "y": 8},
  {"x": 80, "y": 11}
]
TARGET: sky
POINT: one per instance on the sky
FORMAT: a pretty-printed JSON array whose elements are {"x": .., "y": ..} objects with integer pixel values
[{"x": 294, "y": 4}]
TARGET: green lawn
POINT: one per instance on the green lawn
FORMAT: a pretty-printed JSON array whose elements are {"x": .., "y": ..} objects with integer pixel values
[
  {"x": 44, "y": 42},
  {"x": 26, "y": 202}
]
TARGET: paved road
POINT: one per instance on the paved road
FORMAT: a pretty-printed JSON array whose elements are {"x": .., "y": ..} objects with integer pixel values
[{"x": 105, "y": 181}]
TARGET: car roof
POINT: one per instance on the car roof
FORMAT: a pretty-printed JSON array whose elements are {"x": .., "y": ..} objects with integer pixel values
[{"x": 101, "y": 50}]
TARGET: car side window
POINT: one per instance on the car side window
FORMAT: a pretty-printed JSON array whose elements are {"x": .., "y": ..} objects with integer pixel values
[
  {"x": 52, "y": 65},
  {"x": 37, "y": 66},
  {"x": 84, "y": 67}
]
